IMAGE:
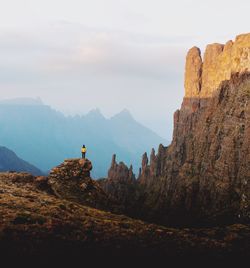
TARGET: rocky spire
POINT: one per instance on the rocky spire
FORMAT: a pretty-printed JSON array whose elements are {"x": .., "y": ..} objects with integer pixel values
[
  {"x": 113, "y": 162},
  {"x": 161, "y": 150},
  {"x": 144, "y": 161},
  {"x": 152, "y": 155},
  {"x": 153, "y": 162},
  {"x": 130, "y": 169},
  {"x": 120, "y": 184},
  {"x": 193, "y": 72},
  {"x": 120, "y": 172}
]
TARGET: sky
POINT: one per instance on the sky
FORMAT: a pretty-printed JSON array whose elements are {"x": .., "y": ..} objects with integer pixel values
[{"x": 78, "y": 55}]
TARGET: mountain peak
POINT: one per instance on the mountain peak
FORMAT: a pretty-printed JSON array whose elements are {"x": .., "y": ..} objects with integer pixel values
[
  {"x": 124, "y": 114},
  {"x": 95, "y": 113}
]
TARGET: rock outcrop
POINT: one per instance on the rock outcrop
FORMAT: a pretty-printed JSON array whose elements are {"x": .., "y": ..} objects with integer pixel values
[
  {"x": 71, "y": 181},
  {"x": 120, "y": 184}
]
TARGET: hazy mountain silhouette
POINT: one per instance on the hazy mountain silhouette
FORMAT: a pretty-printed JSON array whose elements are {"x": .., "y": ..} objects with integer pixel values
[
  {"x": 9, "y": 161},
  {"x": 45, "y": 137}
]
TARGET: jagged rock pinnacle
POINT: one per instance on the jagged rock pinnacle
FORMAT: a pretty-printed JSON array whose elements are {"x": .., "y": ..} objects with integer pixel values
[
  {"x": 219, "y": 63},
  {"x": 144, "y": 161},
  {"x": 152, "y": 155},
  {"x": 113, "y": 163},
  {"x": 193, "y": 72}
]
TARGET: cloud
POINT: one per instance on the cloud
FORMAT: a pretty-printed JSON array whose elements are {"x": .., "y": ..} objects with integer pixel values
[
  {"x": 67, "y": 62},
  {"x": 103, "y": 52}
]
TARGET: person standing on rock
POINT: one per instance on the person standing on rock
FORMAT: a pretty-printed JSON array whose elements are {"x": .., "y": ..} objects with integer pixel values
[{"x": 84, "y": 150}]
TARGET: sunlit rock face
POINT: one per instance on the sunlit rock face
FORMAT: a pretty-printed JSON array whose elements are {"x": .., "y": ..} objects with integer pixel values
[
  {"x": 203, "y": 77},
  {"x": 193, "y": 73}
]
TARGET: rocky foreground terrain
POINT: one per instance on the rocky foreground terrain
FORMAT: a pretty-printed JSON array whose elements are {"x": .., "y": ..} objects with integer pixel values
[{"x": 37, "y": 221}]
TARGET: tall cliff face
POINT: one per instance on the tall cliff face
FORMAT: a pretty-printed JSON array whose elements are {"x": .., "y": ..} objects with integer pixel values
[
  {"x": 206, "y": 170},
  {"x": 204, "y": 175}
]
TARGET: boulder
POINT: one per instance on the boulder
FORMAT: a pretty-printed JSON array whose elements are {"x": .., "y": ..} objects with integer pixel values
[{"x": 71, "y": 181}]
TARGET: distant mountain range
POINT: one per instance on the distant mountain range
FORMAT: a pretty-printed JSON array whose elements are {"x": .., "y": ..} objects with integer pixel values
[
  {"x": 45, "y": 137},
  {"x": 9, "y": 161}
]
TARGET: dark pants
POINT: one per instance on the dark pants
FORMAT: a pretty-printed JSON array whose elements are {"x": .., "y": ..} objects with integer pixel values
[{"x": 83, "y": 155}]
